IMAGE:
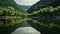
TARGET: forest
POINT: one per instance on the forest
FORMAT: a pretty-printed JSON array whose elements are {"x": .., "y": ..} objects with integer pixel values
[{"x": 45, "y": 19}]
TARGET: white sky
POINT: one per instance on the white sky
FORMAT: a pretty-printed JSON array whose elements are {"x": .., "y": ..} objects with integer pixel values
[{"x": 26, "y": 2}]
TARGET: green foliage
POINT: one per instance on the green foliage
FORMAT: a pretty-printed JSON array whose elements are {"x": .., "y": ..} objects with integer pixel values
[
  {"x": 7, "y": 3},
  {"x": 48, "y": 9},
  {"x": 9, "y": 11}
]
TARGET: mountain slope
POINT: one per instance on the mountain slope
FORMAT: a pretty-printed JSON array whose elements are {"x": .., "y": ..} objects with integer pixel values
[
  {"x": 42, "y": 4},
  {"x": 25, "y": 7},
  {"x": 7, "y": 3}
]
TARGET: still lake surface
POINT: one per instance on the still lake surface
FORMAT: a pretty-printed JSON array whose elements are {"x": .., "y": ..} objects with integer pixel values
[{"x": 24, "y": 28}]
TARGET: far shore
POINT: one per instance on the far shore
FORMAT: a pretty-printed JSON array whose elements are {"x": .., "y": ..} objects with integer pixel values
[{"x": 9, "y": 17}]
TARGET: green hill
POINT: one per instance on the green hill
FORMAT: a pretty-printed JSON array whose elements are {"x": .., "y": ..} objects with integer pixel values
[
  {"x": 44, "y": 3},
  {"x": 10, "y": 3}
]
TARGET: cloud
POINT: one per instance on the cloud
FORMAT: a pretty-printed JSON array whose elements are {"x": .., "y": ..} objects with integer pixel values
[{"x": 26, "y": 2}]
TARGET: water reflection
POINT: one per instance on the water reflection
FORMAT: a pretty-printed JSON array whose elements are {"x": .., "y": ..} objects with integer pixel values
[
  {"x": 9, "y": 25},
  {"x": 25, "y": 30},
  {"x": 46, "y": 26}
]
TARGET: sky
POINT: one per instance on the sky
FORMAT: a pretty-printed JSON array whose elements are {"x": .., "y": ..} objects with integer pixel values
[{"x": 26, "y": 2}]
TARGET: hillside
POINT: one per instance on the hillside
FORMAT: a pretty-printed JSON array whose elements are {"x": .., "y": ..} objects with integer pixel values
[
  {"x": 25, "y": 7},
  {"x": 11, "y": 3},
  {"x": 42, "y": 4}
]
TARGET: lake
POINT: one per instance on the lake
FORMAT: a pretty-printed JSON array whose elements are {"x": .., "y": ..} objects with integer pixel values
[{"x": 17, "y": 26}]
